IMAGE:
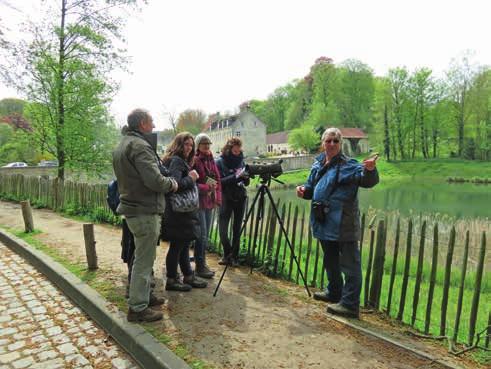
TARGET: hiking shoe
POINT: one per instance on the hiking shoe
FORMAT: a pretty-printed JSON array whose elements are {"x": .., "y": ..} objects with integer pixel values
[
  {"x": 339, "y": 309},
  {"x": 195, "y": 282},
  {"x": 226, "y": 260},
  {"x": 326, "y": 297},
  {"x": 176, "y": 285},
  {"x": 155, "y": 301},
  {"x": 203, "y": 271},
  {"x": 147, "y": 315}
]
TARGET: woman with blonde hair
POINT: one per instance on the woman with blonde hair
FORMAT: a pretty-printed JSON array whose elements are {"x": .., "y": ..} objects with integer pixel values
[{"x": 180, "y": 228}]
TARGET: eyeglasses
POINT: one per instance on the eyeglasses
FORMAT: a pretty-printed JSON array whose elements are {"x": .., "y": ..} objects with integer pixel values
[{"x": 335, "y": 140}]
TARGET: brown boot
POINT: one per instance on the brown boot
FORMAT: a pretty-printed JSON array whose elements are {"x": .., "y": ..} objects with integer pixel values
[
  {"x": 147, "y": 315},
  {"x": 203, "y": 271},
  {"x": 194, "y": 281}
]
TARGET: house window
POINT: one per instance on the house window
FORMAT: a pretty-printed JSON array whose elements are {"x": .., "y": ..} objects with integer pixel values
[{"x": 237, "y": 133}]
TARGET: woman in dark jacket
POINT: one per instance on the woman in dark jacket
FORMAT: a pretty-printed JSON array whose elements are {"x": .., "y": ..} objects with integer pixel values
[
  {"x": 180, "y": 228},
  {"x": 233, "y": 180}
]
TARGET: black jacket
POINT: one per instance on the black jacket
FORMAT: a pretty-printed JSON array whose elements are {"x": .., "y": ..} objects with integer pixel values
[
  {"x": 233, "y": 188},
  {"x": 179, "y": 226}
]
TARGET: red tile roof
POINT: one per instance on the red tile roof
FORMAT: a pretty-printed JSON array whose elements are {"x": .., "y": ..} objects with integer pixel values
[
  {"x": 353, "y": 133},
  {"x": 277, "y": 138}
]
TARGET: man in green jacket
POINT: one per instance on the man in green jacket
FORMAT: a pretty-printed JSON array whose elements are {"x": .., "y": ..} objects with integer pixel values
[{"x": 142, "y": 188}]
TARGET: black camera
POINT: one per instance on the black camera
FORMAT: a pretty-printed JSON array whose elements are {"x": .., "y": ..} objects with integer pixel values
[
  {"x": 265, "y": 170},
  {"x": 320, "y": 210}
]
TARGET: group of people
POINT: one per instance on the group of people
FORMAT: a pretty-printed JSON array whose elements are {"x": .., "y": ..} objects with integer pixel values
[{"x": 146, "y": 182}]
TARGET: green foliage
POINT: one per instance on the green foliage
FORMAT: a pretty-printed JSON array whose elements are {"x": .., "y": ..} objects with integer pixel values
[
  {"x": 10, "y": 106},
  {"x": 63, "y": 71},
  {"x": 304, "y": 139}
]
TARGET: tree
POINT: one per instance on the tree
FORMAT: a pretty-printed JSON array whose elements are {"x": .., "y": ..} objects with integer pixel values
[
  {"x": 304, "y": 139},
  {"x": 421, "y": 88},
  {"x": 191, "y": 120},
  {"x": 62, "y": 69},
  {"x": 355, "y": 95},
  {"x": 398, "y": 79},
  {"x": 10, "y": 106},
  {"x": 480, "y": 112},
  {"x": 459, "y": 79}
]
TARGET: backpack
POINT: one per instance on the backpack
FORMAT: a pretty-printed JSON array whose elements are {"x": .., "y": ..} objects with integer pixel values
[{"x": 113, "y": 195}]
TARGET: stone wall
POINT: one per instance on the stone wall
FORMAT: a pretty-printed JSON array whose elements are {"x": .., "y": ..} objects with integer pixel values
[{"x": 289, "y": 163}]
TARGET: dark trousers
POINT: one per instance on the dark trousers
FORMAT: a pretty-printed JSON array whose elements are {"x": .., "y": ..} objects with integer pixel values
[
  {"x": 229, "y": 207},
  {"x": 343, "y": 257},
  {"x": 178, "y": 254}
]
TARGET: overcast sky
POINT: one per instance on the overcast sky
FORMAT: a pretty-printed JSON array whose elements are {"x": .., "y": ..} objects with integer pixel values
[{"x": 213, "y": 55}]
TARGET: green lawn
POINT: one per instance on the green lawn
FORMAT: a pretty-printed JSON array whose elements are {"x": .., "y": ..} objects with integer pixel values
[{"x": 418, "y": 168}]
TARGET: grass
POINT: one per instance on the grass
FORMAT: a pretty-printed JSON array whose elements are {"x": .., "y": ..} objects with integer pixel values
[
  {"x": 440, "y": 169},
  {"x": 101, "y": 281},
  {"x": 320, "y": 281}
]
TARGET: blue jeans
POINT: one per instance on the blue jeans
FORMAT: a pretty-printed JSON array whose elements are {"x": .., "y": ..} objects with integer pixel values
[
  {"x": 202, "y": 242},
  {"x": 343, "y": 257}
]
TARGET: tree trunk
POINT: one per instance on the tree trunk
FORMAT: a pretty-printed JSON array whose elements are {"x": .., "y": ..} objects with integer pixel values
[
  {"x": 461, "y": 121},
  {"x": 60, "y": 139},
  {"x": 386, "y": 134}
]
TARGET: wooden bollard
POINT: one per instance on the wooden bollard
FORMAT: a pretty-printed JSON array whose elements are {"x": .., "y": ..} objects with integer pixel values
[
  {"x": 90, "y": 246},
  {"x": 27, "y": 215}
]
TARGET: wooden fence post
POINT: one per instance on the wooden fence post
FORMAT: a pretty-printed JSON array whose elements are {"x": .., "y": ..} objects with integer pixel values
[
  {"x": 300, "y": 244},
  {"x": 394, "y": 265},
  {"x": 307, "y": 260},
  {"x": 90, "y": 246},
  {"x": 434, "y": 263},
  {"x": 419, "y": 272},
  {"x": 294, "y": 239},
  {"x": 461, "y": 287},
  {"x": 407, "y": 265},
  {"x": 278, "y": 243},
  {"x": 477, "y": 291},
  {"x": 378, "y": 267},
  {"x": 369, "y": 266},
  {"x": 486, "y": 342},
  {"x": 27, "y": 215},
  {"x": 446, "y": 282}
]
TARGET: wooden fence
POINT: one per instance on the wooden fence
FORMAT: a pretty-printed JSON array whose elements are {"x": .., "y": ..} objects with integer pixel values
[{"x": 405, "y": 275}]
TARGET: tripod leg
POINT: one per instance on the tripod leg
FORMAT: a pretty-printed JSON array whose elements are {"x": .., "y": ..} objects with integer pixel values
[
  {"x": 249, "y": 213},
  {"x": 287, "y": 239}
]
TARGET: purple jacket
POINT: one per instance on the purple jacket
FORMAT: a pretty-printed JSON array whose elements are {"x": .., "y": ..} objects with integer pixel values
[{"x": 206, "y": 167}]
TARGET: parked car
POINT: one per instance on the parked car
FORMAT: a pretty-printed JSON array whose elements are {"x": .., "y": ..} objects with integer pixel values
[
  {"x": 48, "y": 163},
  {"x": 17, "y": 164}
]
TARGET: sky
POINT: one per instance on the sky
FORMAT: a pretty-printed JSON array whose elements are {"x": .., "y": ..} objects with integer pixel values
[{"x": 215, "y": 54}]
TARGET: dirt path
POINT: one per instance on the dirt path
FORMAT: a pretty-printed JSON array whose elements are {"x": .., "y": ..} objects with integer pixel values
[{"x": 254, "y": 322}]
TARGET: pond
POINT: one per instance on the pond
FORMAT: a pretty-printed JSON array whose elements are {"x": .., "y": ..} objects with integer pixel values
[{"x": 465, "y": 200}]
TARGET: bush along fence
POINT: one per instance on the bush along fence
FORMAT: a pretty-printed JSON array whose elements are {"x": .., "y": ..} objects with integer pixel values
[{"x": 423, "y": 273}]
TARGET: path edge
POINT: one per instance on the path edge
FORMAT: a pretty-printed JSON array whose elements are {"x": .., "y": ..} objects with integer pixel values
[{"x": 138, "y": 343}]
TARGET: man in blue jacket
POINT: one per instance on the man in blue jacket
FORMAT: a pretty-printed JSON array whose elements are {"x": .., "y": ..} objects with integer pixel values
[{"x": 335, "y": 219}]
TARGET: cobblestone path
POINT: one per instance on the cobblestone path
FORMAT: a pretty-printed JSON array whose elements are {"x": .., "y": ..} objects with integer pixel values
[{"x": 41, "y": 328}]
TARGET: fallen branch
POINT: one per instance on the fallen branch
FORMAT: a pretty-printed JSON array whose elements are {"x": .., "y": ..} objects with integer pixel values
[{"x": 452, "y": 344}]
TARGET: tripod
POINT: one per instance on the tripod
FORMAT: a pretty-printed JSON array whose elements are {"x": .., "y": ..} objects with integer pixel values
[{"x": 261, "y": 193}]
